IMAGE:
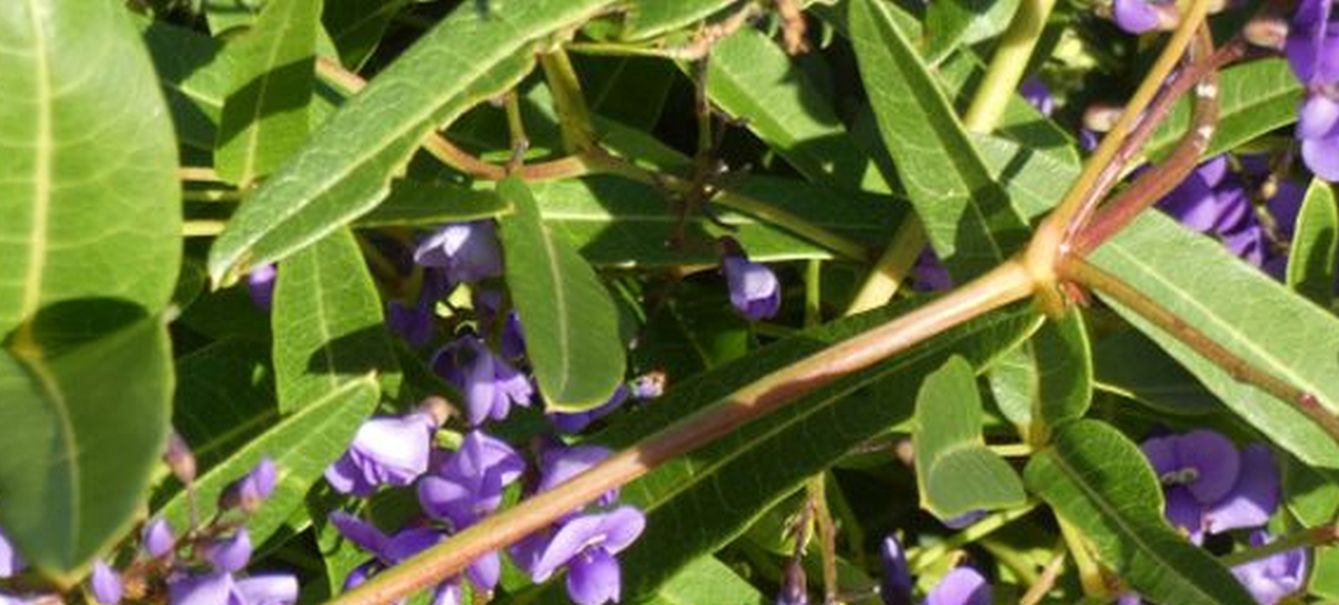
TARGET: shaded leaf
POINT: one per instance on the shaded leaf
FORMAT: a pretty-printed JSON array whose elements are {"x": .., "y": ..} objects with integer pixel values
[
  {"x": 345, "y": 168},
  {"x": 1254, "y": 98},
  {"x": 265, "y": 114},
  {"x": 1131, "y": 365},
  {"x": 356, "y": 26},
  {"x": 1047, "y": 380},
  {"x": 195, "y": 75},
  {"x": 951, "y": 23},
  {"x": 707, "y": 581},
  {"x": 651, "y": 18},
  {"x": 955, "y": 472},
  {"x": 1311, "y": 258},
  {"x": 424, "y": 204},
  {"x": 327, "y": 324},
  {"x": 571, "y": 325},
  {"x": 1099, "y": 482},
  {"x": 225, "y": 394}
]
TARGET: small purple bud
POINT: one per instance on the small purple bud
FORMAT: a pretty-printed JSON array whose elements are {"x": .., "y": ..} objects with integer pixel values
[
  {"x": 157, "y": 538},
  {"x": 260, "y": 285},
  {"x": 1142, "y": 16},
  {"x": 930, "y": 273},
  {"x": 269, "y": 589},
  {"x": 1038, "y": 95},
  {"x": 895, "y": 586},
  {"x": 385, "y": 451},
  {"x": 485, "y": 572},
  {"x": 754, "y": 289},
  {"x": 359, "y": 575},
  {"x": 1266, "y": 31},
  {"x": 10, "y": 560},
  {"x": 230, "y": 554},
  {"x": 106, "y": 583},
  {"x": 251, "y": 490},
  {"x": 795, "y": 587},
  {"x": 467, "y": 252},
  {"x": 447, "y": 593},
  {"x": 179, "y": 458},
  {"x": 962, "y": 586},
  {"x": 650, "y": 385}
]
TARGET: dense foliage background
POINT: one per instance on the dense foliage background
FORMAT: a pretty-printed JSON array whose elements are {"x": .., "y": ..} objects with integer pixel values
[{"x": 293, "y": 291}]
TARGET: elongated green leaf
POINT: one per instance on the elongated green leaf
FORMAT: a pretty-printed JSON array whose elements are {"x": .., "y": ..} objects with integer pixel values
[
  {"x": 1254, "y": 98},
  {"x": 225, "y": 394},
  {"x": 88, "y": 186},
  {"x": 752, "y": 78},
  {"x": 651, "y": 18},
  {"x": 707, "y": 581},
  {"x": 423, "y": 204},
  {"x": 1311, "y": 259},
  {"x": 1049, "y": 379},
  {"x": 327, "y": 323},
  {"x": 1241, "y": 308},
  {"x": 346, "y": 166},
  {"x": 1131, "y": 365},
  {"x": 1098, "y": 481},
  {"x": 700, "y": 502},
  {"x": 356, "y": 26},
  {"x": 195, "y": 75},
  {"x": 265, "y": 115},
  {"x": 571, "y": 325},
  {"x": 955, "y": 471},
  {"x": 83, "y": 431},
  {"x": 966, "y": 214},
  {"x": 954, "y": 22},
  {"x": 302, "y": 445}
]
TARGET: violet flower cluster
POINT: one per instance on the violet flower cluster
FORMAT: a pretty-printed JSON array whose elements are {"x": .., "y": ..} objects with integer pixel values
[
  {"x": 458, "y": 488},
  {"x": 1211, "y": 487},
  {"x": 962, "y": 585}
]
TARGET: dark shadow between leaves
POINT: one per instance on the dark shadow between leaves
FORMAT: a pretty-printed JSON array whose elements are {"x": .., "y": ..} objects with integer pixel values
[
  {"x": 69, "y": 324},
  {"x": 283, "y": 89}
]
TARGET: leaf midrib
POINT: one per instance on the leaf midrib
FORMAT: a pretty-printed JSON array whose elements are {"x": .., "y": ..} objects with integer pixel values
[
  {"x": 253, "y": 132},
  {"x": 43, "y": 151},
  {"x": 559, "y": 302}
]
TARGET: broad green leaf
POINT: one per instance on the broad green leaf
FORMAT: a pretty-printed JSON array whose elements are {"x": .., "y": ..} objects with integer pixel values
[
  {"x": 753, "y": 79},
  {"x": 425, "y": 204},
  {"x": 1047, "y": 380},
  {"x": 1131, "y": 365},
  {"x": 88, "y": 186},
  {"x": 84, "y": 431},
  {"x": 1311, "y": 258},
  {"x": 1098, "y": 481},
  {"x": 225, "y": 394},
  {"x": 955, "y": 472},
  {"x": 707, "y": 581},
  {"x": 699, "y": 502},
  {"x": 327, "y": 323},
  {"x": 615, "y": 221},
  {"x": 302, "y": 445},
  {"x": 356, "y": 26},
  {"x": 265, "y": 114},
  {"x": 1253, "y": 98},
  {"x": 1278, "y": 331},
  {"x": 966, "y": 214},
  {"x": 345, "y": 168},
  {"x": 195, "y": 75},
  {"x": 571, "y": 325},
  {"x": 651, "y": 18}
]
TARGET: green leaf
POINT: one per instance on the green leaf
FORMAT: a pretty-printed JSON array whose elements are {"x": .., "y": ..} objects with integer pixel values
[
  {"x": 1047, "y": 380},
  {"x": 707, "y": 581},
  {"x": 84, "y": 431},
  {"x": 651, "y": 18},
  {"x": 195, "y": 75},
  {"x": 607, "y": 79},
  {"x": 966, "y": 213},
  {"x": 1131, "y": 365},
  {"x": 356, "y": 26},
  {"x": 345, "y": 168},
  {"x": 1099, "y": 482},
  {"x": 88, "y": 187},
  {"x": 225, "y": 394},
  {"x": 951, "y": 23},
  {"x": 424, "y": 204},
  {"x": 1253, "y": 99},
  {"x": 571, "y": 325},
  {"x": 302, "y": 445},
  {"x": 327, "y": 323},
  {"x": 753, "y": 79},
  {"x": 955, "y": 472},
  {"x": 696, "y": 504},
  {"x": 265, "y": 115},
  {"x": 1311, "y": 259},
  {"x": 1279, "y": 332}
]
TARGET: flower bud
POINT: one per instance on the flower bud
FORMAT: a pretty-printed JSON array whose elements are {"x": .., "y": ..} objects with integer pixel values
[
  {"x": 157, "y": 539},
  {"x": 106, "y": 584},
  {"x": 179, "y": 458},
  {"x": 1266, "y": 31},
  {"x": 229, "y": 554}
]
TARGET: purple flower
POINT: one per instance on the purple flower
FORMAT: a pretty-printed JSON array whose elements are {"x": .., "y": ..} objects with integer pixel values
[
  {"x": 930, "y": 273},
  {"x": 260, "y": 285},
  {"x": 205, "y": 589},
  {"x": 1214, "y": 201},
  {"x": 895, "y": 586},
  {"x": 1038, "y": 95},
  {"x": 414, "y": 324},
  {"x": 1209, "y": 485},
  {"x": 962, "y": 586},
  {"x": 106, "y": 584},
  {"x": 385, "y": 451},
  {"x": 10, "y": 560},
  {"x": 249, "y": 492},
  {"x": 794, "y": 589},
  {"x": 1313, "y": 43},
  {"x": 469, "y": 483},
  {"x": 1318, "y": 130},
  {"x": 575, "y": 422},
  {"x": 157, "y": 538},
  {"x": 1141, "y": 16},
  {"x": 1253, "y": 498},
  {"x": 229, "y": 554},
  {"x": 560, "y": 464},
  {"x": 1271, "y": 579},
  {"x": 649, "y": 385},
  {"x": 490, "y": 384},
  {"x": 587, "y": 545},
  {"x": 268, "y": 589},
  {"x": 483, "y": 572},
  {"x": 468, "y": 252},
  {"x": 754, "y": 289}
]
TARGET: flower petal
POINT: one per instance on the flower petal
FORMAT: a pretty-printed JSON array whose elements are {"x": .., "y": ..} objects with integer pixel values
[
  {"x": 1215, "y": 460},
  {"x": 594, "y": 578},
  {"x": 1253, "y": 499},
  {"x": 269, "y": 589},
  {"x": 962, "y": 586}
]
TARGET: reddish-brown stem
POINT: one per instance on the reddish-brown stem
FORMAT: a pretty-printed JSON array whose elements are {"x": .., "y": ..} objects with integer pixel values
[{"x": 1008, "y": 283}]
